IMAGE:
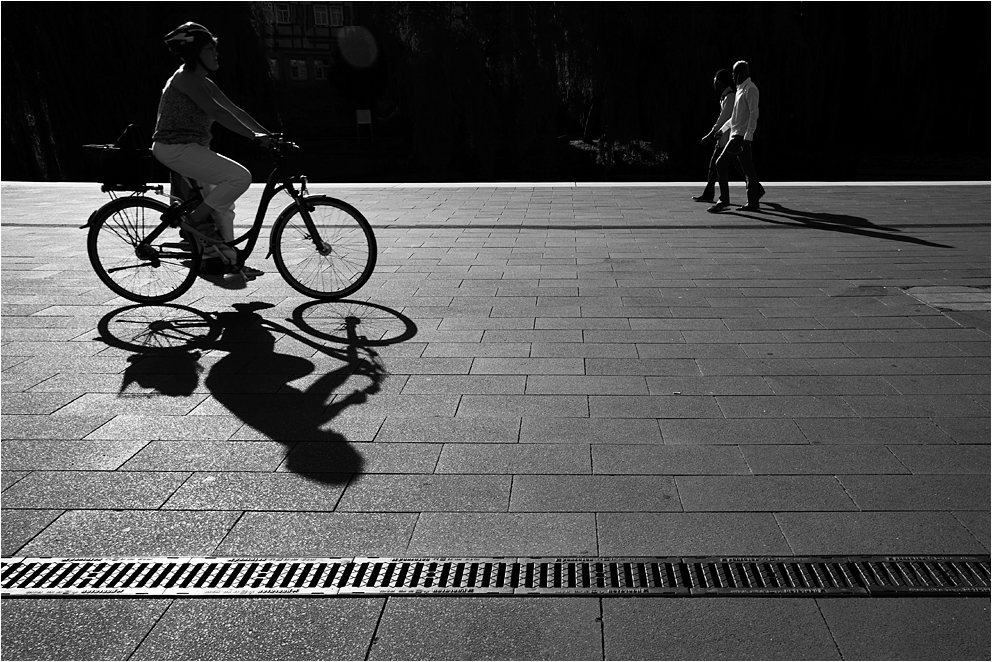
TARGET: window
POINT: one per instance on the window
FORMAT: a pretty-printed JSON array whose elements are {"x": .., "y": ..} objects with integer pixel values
[
  {"x": 320, "y": 16},
  {"x": 336, "y": 15},
  {"x": 320, "y": 69},
  {"x": 282, "y": 12},
  {"x": 298, "y": 69},
  {"x": 274, "y": 68}
]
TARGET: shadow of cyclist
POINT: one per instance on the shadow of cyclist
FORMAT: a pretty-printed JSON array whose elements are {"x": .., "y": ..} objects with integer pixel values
[{"x": 291, "y": 415}]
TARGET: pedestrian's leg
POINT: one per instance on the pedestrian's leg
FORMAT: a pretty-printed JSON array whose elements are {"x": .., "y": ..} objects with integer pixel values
[
  {"x": 711, "y": 175},
  {"x": 754, "y": 188},
  {"x": 723, "y": 175}
]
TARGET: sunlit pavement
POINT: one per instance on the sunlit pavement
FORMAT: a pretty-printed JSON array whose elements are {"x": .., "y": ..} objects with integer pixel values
[{"x": 569, "y": 370}]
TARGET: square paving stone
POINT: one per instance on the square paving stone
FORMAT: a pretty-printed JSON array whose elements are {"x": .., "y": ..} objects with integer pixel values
[
  {"x": 504, "y": 534},
  {"x": 715, "y": 629},
  {"x": 881, "y": 533},
  {"x": 310, "y": 534},
  {"x": 869, "y": 366},
  {"x": 348, "y": 425},
  {"x": 20, "y": 526},
  {"x": 9, "y": 478},
  {"x": 209, "y": 428},
  {"x": 939, "y": 384},
  {"x": 723, "y": 367},
  {"x": 514, "y": 459},
  {"x": 784, "y": 406},
  {"x": 967, "y": 430},
  {"x": 74, "y": 629},
  {"x": 466, "y": 384},
  {"x": 594, "y": 494},
  {"x": 426, "y": 493},
  {"x": 263, "y": 629},
  {"x": 712, "y": 385},
  {"x": 737, "y": 431},
  {"x": 670, "y": 460},
  {"x": 654, "y": 367},
  {"x": 920, "y": 492},
  {"x": 479, "y": 350},
  {"x": 944, "y": 459},
  {"x": 690, "y": 534},
  {"x": 36, "y": 403},
  {"x": 515, "y": 406},
  {"x": 489, "y": 629},
  {"x": 165, "y": 455},
  {"x": 653, "y": 406},
  {"x": 371, "y": 458},
  {"x": 258, "y": 491},
  {"x": 132, "y": 533},
  {"x": 762, "y": 493},
  {"x": 829, "y": 385},
  {"x": 916, "y": 406},
  {"x": 909, "y": 628},
  {"x": 528, "y": 366},
  {"x": 585, "y": 385},
  {"x": 463, "y": 429},
  {"x": 50, "y": 427},
  {"x": 589, "y": 430},
  {"x": 93, "y": 490},
  {"x": 822, "y": 459},
  {"x": 108, "y": 404},
  {"x": 687, "y": 351},
  {"x": 39, "y": 454},
  {"x": 872, "y": 431}
]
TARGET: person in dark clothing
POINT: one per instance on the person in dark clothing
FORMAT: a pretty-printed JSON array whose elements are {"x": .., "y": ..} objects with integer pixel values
[{"x": 723, "y": 83}]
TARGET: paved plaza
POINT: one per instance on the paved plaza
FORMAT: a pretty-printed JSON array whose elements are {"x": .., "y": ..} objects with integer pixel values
[{"x": 570, "y": 370}]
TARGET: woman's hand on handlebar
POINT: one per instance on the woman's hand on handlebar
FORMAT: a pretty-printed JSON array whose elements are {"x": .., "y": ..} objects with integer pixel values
[{"x": 264, "y": 139}]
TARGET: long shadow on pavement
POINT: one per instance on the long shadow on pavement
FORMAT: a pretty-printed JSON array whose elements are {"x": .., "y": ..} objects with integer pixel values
[{"x": 831, "y": 222}]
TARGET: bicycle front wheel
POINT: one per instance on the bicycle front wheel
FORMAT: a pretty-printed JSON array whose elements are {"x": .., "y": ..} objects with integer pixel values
[
  {"x": 137, "y": 268},
  {"x": 335, "y": 263}
]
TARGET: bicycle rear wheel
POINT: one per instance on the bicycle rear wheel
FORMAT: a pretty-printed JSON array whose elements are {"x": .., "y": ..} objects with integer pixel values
[
  {"x": 338, "y": 263},
  {"x": 128, "y": 263}
]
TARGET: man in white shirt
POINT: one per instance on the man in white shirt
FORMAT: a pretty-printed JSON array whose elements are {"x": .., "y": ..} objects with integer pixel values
[
  {"x": 723, "y": 83},
  {"x": 741, "y": 126}
]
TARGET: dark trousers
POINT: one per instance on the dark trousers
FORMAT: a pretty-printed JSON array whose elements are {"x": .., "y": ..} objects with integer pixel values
[
  {"x": 711, "y": 175},
  {"x": 746, "y": 160}
]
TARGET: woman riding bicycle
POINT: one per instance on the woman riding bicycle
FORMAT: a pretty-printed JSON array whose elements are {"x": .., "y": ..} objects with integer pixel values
[{"x": 190, "y": 103}]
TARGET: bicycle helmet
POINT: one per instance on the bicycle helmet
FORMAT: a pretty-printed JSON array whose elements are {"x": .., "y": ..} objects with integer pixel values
[{"x": 188, "y": 39}]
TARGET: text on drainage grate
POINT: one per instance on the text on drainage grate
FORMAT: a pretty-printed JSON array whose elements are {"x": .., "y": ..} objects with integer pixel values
[{"x": 174, "y": 577}]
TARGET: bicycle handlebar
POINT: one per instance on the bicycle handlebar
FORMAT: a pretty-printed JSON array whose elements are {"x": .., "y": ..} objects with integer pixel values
[{"x": 278, "y": 145}]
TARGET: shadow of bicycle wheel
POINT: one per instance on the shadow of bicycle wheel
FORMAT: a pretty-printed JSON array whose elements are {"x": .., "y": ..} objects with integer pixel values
[
  {"x": 159, "y": 330},
  {"x": 353, "y": 323}
]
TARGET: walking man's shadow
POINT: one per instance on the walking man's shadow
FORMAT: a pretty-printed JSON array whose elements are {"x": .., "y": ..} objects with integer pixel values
[
  {"x": 291, "y": 416},
  {"x": 772, "y": 212}
]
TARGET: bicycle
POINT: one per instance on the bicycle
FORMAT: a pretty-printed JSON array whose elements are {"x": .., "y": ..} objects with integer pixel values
[{"x": 145, "y": 251}]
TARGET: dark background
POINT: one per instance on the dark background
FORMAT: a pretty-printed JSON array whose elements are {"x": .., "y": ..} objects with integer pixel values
[{"x": 530, "y": 91}]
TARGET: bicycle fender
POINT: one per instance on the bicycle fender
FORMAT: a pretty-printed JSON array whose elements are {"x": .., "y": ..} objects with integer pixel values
[
  {"x": 113, "y": 204},
  {"x": 89, "y": 221}
]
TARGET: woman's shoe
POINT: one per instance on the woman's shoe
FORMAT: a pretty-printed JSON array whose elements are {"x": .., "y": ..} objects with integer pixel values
[{"x": 210, "y": 241}]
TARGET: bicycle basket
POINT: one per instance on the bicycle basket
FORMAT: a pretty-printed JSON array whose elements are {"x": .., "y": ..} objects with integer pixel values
[{"x": 124, "y": 166}]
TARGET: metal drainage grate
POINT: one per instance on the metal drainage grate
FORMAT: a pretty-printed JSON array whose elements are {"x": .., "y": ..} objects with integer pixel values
[{"x": 173, "y": 577}]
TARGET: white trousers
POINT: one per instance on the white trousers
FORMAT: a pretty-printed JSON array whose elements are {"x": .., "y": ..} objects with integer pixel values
[{"x": 222, "y": 179}]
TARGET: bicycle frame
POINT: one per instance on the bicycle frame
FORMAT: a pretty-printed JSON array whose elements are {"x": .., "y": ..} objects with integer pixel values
[{"x": 277, "y": 182}]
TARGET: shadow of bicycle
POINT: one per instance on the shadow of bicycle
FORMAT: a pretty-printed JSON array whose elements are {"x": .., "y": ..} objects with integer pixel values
[{"x": 174, "y": 347}]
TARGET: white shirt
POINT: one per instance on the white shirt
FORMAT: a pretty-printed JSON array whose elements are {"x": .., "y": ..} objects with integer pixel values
[{"x": 744, "y": 120}]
